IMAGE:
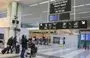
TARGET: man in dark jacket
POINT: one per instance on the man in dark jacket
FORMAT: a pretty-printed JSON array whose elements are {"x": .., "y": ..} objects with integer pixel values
[
  {"x": 24, "y": 45},
  {"x": 9, "y": 44}
]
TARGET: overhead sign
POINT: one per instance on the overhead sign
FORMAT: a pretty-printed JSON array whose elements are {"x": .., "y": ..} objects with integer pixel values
[
  {"x": 60, "y": 6},
  {"x": 63, "y": 25}
]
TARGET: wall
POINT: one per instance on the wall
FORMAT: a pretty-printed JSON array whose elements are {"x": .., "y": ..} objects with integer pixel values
[
  {"x": 4, "y": 22},
  {"x": 71, "y": 40}
]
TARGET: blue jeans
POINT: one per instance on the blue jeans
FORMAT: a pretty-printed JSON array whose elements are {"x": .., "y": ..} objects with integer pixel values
[{"x": 23, "y": 52}]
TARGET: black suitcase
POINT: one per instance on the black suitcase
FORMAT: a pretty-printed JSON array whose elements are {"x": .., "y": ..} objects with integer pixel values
[
  {"x": 4, "y": 50},
  {"x": 34, "y": 50},
  {"x": 17, "y": 49}
]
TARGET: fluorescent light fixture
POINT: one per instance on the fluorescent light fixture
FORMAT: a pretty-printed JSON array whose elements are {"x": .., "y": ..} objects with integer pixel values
[
  {"x": 45, "y": 11},
  {"x": 26, "y": 14},
  {"x": 82, "y": 5},
  {"x": 44, "y": 2},
  {"x": 87, "y": 4},
  {"x": 33, "y": 5},
  {"x": 33, "y": 28},
  {"x": 83, "y": 12},
  {"x": 52, "y": 0}
]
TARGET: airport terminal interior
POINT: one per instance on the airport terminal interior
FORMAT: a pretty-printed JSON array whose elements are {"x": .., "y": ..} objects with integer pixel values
[{"x": 44, "y": 28}]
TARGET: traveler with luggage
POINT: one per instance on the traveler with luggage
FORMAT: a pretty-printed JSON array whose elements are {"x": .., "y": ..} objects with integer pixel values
[
  {"x": 9, "y": 46},
  {"x": 32, "y": 47}
]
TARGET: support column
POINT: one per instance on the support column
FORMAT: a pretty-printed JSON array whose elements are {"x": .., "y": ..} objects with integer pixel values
[
  {"x": 14, "y": 15},
  {"x": 15, "y": 18},
  {"x": 6, "y": 36}
]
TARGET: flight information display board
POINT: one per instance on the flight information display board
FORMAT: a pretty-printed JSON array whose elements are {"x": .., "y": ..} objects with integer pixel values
[
  {"x": 60, "y": 6},
  {"x": 64, "y": 25},
  {"x": 64, "y": 16}
]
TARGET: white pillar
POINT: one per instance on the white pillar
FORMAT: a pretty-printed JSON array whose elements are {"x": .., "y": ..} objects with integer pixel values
[
  {"x": 13, "y": 12},
  {"x": 19, "y": 19},
  {"x": 6, "y": 36}
]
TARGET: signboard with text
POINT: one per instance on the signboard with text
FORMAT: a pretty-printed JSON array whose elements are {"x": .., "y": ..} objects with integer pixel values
[{"x": 60, "y": 6}]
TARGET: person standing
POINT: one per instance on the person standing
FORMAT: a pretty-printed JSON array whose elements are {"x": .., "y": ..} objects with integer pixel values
[
  {"x": 63, "y": 41},
  {"x": 24, "y": 45}
]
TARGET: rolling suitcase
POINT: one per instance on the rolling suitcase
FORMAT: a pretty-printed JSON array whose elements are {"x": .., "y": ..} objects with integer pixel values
[{"x": 4, "y": 50}]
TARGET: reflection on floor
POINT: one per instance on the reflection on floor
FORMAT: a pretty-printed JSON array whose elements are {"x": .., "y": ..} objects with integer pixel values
[{"x": 58, "y": 52}]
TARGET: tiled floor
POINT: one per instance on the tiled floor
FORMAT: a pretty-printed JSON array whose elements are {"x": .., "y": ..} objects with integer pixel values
[{"x": 58, "y": 52}]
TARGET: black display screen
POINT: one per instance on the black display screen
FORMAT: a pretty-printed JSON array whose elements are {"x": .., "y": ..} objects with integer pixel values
[
  {"x": 64, "y": 16},
  {"x": 59, "y": 25}
]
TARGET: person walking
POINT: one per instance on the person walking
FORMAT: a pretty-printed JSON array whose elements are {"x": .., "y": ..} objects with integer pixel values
[
  {"x": 24, "y": 45},
  {"x": 9, "y": 45},
  {"x": 64, "y": 41}
]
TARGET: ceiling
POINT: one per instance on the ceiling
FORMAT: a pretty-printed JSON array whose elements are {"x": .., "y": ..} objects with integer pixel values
[
  {"x": 35, "y": 12},
  {"x": 3, "y": 4},
  {"x": 33, "y": 15}
]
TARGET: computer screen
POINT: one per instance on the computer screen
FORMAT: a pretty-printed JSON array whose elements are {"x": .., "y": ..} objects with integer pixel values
[
  {"x": 85, "y": 36},
  {"x": 82, "y": 37},
  {"x": 53, "y": 18}
]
